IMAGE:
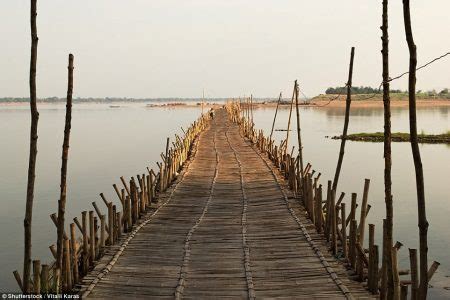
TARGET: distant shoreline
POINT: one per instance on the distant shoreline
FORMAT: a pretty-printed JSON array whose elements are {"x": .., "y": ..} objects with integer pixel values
[{"x": 317, "y": 102}]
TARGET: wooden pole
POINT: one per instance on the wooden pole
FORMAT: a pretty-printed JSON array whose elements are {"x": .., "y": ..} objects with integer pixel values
[
  {"x": 362, "y": 221},
  {"x": 85, "y": 242},
  {"x": 387, "y": 258},
  {"x": 414, "y": 274},
  {"x": 74, "y": 253},
  {"x": 344, "y": 231},
  {"x": 65, "y": 155},
  {"x": 275, "y": 117},
  {"x": 346, "y": 121},
  {"x": 33, "y": 151},
  {"x": 67, "y": 265},
  {"x": 44, "y": 279},
  {"x": 92, "y": 238},
  {"x": 299, "y": 138},
  {"x": 395, "y": 274},
  {"x": 420, "y": 187},
  {"x": 102, "y": 232},
  {"x": 37, "y": 277},
  {"x": 289, "y": 123}
]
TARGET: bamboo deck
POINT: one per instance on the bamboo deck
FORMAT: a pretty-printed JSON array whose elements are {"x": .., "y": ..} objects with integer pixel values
[{"x": 227, "y": 228}]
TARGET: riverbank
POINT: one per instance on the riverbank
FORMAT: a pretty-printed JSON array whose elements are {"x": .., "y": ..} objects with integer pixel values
[
  {"x": 378, "y": 137},
  {"x": 322, "y": 101}
]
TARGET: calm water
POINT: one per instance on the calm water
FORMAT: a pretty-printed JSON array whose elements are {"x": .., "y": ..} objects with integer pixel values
[
  {"x": 107, "y": 143},
  {"x": 365, "y": 160}
]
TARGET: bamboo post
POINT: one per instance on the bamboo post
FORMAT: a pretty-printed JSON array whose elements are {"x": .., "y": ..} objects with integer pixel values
[
  {"x": 319, "y": 210},
  {"x": 92, "y": 237},
  {"x": 328, "y": 206},
  {"x": 74, "y": 253},
  {"x": 289, "y": 122},
  {"x": 119, "y": 195},
  {"x": 33, "y": 151},
  {"x": 44, "y": 279},
  {"x": 404, "y": 292},
  {"x": 371, "y": 254},
  {"x": 85, "y": 242},
  {"x": 111, "y": 224},
  {"x": 333, "y": 222},
  {"x": 98, "y": 212},
  {"x": 275, "y": 117},
  {"x": 434, "y": 266},
  {"x": 102, "y": 233},
  {"x": 18, "y": 280},
  {"x": 115, "y": 225},
  {"x": 96, "y": 239},
  {"x": 65, "y": 157},
  {"x": 149, "y": 190},
  {"x": 420, "y": 187},
  {"x": 352, "y": 209},
  {"x": 414, "y": 274},
  {"x": 362, "y": 221},
  {"x": 37, "y": 277},
  {"x": 344, "y": 231},
  {"x": 67, "y": 265},
  {"x": 384, "y": 271},
  {"x": 346, "y": 121},
  {"x": 119, "y": 224},
  {"x": 299, "y": 138},
  {"x": 395, "y": 273},
  {"x": 129, "y": 217},
  {"x": 387, "y": 258},
  {"x": 374, "y": 273},
  {"x": 352, "y": 246}
]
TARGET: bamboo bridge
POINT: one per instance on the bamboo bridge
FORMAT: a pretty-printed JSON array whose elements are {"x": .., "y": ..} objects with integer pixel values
[{"x": 228, "y": 227}]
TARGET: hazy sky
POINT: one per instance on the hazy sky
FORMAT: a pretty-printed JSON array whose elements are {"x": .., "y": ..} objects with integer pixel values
[{"x": 164, "y": 48}]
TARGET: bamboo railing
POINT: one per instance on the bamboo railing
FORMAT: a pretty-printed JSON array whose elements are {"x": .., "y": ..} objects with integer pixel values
[
  {"x": 342, "y": 229},
  {"x": 100, "y": 229}
]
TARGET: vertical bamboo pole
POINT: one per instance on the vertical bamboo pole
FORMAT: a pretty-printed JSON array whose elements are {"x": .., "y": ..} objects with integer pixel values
[
  {"x": 352, "y": 246},
  {"x": 115, "y": 225},
  {"x": 92, "y": 238},
  {"x": 346, "y": 121},
  {"x": 395, "y": 273},
  {"x": 74, "y": 253},
  {"x": 319, "y": 209},
  {"x": 129, "y": 214},
  {"x": 414, "y": 275},
  {"x": 33, "y": 151},
  {"x": 374, "y": 274},
  {"x": 37, "y": 277},
  {"x": 102, "y": 232},
  {"x": 65, "y": 156},
  {"x": 333, "y": 222},
  {"x": 384, "y": 272},
  {"x": 371, "y": 254},
  {"x": 149, "y": 190},
  {"x": 289, "y": 123},
  {"x": 67, "y": 265},
  {"x": 404, "y": 292},
  {"x": 119, "y": 224},
  {"x": 420, "y": 187},
  {"x": 275, "y": 117},
  {"x": 111, "y": 223},
  {"x": 96, "y": 238},
  {"x": 344, "y": 231},
  {"x": 328, "y": 207},
  {"x": 85, "y": 242},
  {"x": 387, "y": 258},
  {"x": 44, "y": 279},
  {"x": 362, "y": 221},
  {"x": 299, "y": 138}
]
